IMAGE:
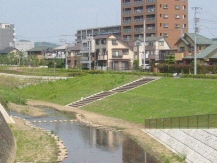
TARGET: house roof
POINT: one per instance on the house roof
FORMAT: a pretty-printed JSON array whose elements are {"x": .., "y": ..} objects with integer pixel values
[
  {"x": 214, "y": 56},
  {"x": 63, "y": 47},
  {"x": 76, "y": 47},
  {"x": 102, "y": 36},
  {"x": 201, "y": 40},
  {"x": 207, "y": 50},
  {"x": 7, "y": 50},
  {"x": 38, "y": 48}
]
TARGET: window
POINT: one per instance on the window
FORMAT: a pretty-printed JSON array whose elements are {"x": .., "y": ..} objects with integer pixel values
[
  {"x": 125, "y": 52},
  {"x": 115, "y": 53},
  {"x": 177, "y": 7},
  {"x": 7, "y": 26},
  {"x": 177, "y": 16},
  {"x": 165, "y": 25},
  {"x": 165, "y": 6},
  {"x": 166, "y": 35},
  {"x": 182, "y": 49},
  {"x": 177, "y": 26},
  {"x": 97, "y": 42},
  {"x": 184, "y": 17},
  {"x": 103, "y": 41},
  {"x": 165, "y": 16},
  {"x": 184, "y": 26},
  {"x": 114, "y": 42},
  {"x": 161, "y": 43},
  {"x": 184, "y": 7}
]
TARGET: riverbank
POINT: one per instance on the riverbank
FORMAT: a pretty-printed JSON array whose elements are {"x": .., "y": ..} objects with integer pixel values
[
  {"x": 33, "y": 145},
  {"x": 132, "y": 129}
]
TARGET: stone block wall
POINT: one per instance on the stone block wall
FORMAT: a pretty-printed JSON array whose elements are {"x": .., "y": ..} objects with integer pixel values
[{"x": 7, "y": 142}]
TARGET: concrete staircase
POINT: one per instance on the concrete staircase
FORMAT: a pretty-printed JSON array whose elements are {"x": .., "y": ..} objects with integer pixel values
[{"x": 101, "y": 95}]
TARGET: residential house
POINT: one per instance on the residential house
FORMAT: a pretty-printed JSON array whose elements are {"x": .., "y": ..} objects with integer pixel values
[
  {"x": 75, "y": 56},
  {"x": 113, "y": 53},
  {"x": 156, "y": 50},
  {"x": 205, "y": 50},
  {"x": 9, "y": 50},
  {"x": 37, "y": 52}
]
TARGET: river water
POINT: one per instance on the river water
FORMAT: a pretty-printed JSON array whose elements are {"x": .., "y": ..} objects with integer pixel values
[{"x": 87, "y": 144}]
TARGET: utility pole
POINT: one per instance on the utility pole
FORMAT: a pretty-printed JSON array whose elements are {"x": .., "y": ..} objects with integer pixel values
[
  {"x": 196, "y": 20},
  {"x": 144, "y": 35},
  {"x": 89, "y": 49}
]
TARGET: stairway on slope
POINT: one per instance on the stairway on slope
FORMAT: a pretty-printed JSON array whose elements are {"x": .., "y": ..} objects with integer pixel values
[
  {"x": 133, "y": 85},
  {"x": 102, "y": 95},
  {"x": 91, "y": 99}
]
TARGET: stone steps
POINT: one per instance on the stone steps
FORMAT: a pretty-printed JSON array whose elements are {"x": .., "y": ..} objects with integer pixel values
[{"x": 101, "y": 95}]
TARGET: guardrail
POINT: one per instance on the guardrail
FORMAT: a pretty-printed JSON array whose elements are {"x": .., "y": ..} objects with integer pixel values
[{"x": 187, "y": 122}]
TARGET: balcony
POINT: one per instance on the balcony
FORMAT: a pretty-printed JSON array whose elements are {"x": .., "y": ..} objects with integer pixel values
[
  {"x": 127, "y": 12},
  {"x": 138, "y": 2},
  {"x": 127, "y": 21},
  {"x": 150, "y": 19},
  {"x": 138, "y": 11},
  {"x": 150, "y": 29},
  {"x": 127, "y": 4},
  {"x": 150, "y": 10},
  {"x": 138, "y": 20},
  {"x": 127, "y": 30},
  {"x": 117, "y": 56},
  {"x": 102, "y": 57},
  {"x": 179, "y": 56},
  {"x": 150, "y": 1},
  {"x": 139, "y": 30}
]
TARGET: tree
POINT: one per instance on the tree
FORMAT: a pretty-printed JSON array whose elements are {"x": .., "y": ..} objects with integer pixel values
[
  {"x": 136, "y": 64},
  {"x": 170, "y": 59}
]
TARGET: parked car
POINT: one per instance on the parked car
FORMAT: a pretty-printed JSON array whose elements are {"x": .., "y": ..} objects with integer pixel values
[{"x": 147, "y": 67}]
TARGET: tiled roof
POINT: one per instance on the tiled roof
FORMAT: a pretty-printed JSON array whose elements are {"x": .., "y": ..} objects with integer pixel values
[
  {"x": 185, "y": 41},
  {"x": 102, "y": 36},
  {"x": 207, "y": 50},
  {"x": 38, "y": 48},
  {"x": 77, "y": 47},
  {"x": 7, "y": 50},
  {"x": 201, "y": 40},
  {"x": 214, "y": 56}
]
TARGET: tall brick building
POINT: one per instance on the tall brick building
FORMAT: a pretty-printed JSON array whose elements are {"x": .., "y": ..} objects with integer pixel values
[{"x": 166, "y": 18}]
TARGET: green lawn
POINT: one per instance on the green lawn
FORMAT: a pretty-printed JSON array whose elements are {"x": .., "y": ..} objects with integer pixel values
[
  {"x": 67, "y": 91},
  {"x": 167, "y": 97}
]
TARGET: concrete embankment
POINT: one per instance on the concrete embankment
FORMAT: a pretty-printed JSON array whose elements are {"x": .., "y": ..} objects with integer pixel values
[
  {"x": 7, "y": 142},
  {"x": 195, "y": 145}
]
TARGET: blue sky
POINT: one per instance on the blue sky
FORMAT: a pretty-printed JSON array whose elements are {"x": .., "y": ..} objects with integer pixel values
[{"x": 47, "y": 20}]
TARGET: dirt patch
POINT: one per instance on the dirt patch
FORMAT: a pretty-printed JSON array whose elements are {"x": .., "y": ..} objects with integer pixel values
[
  {"x": 27, "y": 110},
  {"x": 132, "y": 129}
]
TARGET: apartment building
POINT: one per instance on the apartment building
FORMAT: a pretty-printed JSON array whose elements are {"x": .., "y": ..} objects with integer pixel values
[
  {"x": 83, "y": 33},
  {"x": 24, "y": 45},
  {"x": 7, "y": 33},
  {"x": 163, "y": 18}
]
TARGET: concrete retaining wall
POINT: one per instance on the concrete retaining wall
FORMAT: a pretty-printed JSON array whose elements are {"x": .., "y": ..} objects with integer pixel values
[{"x": 7, "y": 142}]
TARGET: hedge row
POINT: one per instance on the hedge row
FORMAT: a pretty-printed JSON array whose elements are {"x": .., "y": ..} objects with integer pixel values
[{"x": 187, "y": 69}]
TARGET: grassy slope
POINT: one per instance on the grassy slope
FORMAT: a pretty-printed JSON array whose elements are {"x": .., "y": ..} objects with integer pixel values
[
  {"x": 67, "y": 91},
  {"x": 163, "y": 98}
]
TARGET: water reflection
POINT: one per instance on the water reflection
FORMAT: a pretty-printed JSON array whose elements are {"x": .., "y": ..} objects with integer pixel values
[{"x": 91, "y": 145}]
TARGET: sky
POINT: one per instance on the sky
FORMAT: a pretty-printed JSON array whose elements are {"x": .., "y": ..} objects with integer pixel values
[{"x": 50, "y": 20}]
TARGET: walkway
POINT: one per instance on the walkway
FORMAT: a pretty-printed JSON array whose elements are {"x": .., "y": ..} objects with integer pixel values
[
  {"x": 101, "y": 95},
  {"x": 196, "y": 145}
]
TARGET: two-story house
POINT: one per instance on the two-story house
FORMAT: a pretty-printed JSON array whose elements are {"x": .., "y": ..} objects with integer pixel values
[
  {"x": 156, "y": 50},
  {"x": 205, "y": 49},
  {"x": 112, "y": 53}
]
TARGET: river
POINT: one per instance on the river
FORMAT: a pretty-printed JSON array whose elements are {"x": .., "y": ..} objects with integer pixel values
[{"x": 87, "y": 144}]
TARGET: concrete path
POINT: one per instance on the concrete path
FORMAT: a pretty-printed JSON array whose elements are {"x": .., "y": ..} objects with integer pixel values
[
  {"x": 39, "y": 77},
  {"x": 196, "y": 145},
  {"x": 7, "y": 118}
]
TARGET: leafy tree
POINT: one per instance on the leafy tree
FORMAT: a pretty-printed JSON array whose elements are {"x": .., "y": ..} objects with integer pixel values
[
  {"x": 170, "y": 59},
  {"x": 136, "y": 64}
]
